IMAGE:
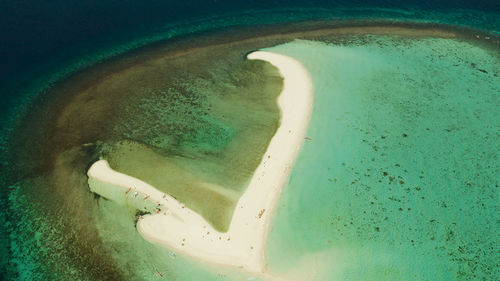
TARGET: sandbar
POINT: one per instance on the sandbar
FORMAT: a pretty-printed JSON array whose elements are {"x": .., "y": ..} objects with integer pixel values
[{"x": 182, "y": 230}]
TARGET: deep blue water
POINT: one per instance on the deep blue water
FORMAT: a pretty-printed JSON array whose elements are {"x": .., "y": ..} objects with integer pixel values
[
  {"x": 35, "y": 32},
  {"x": 43, "y": 41}
]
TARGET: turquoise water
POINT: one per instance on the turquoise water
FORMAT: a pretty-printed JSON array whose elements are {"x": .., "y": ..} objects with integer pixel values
[
  {"x": 348, "y": 255},
  {"x": 400, "y": 178}
]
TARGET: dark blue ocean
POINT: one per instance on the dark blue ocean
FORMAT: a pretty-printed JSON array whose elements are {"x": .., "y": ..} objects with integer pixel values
[
  {"x": 44, "y": 42},
  {"x": 37, "y": 35}
]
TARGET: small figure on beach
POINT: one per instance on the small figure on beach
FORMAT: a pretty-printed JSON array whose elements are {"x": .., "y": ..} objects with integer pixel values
[
  {"x": 128, "y": 190},
  {"x": 136, "y": 193},
  {"x": 261, "y": 213},
  {"x": 147, "y": 196}
]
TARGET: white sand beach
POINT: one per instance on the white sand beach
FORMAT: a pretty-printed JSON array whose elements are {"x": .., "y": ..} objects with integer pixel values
[{"x": 183, "y": 230}]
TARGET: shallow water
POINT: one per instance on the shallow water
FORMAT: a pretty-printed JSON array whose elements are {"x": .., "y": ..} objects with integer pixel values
[
  {"x": 44, "y": 238},
  {"x": 399, "y": 180}
]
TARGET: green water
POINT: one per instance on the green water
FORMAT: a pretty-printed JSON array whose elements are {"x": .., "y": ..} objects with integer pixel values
[
  {"x": 400, "y": 180},
  {"x": 58, "y": 230},
  {"x": 202, "y": 137}
]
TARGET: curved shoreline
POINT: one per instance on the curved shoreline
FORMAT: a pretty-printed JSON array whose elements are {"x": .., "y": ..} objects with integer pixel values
[
  {"x": 39, "y": 154},
  {"x": 62, "y": 94},
  {"x": 185, "y": 231}
]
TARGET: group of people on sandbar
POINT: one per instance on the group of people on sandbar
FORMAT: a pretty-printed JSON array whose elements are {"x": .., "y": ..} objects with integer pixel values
[{"x": 136, "y": 193}]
